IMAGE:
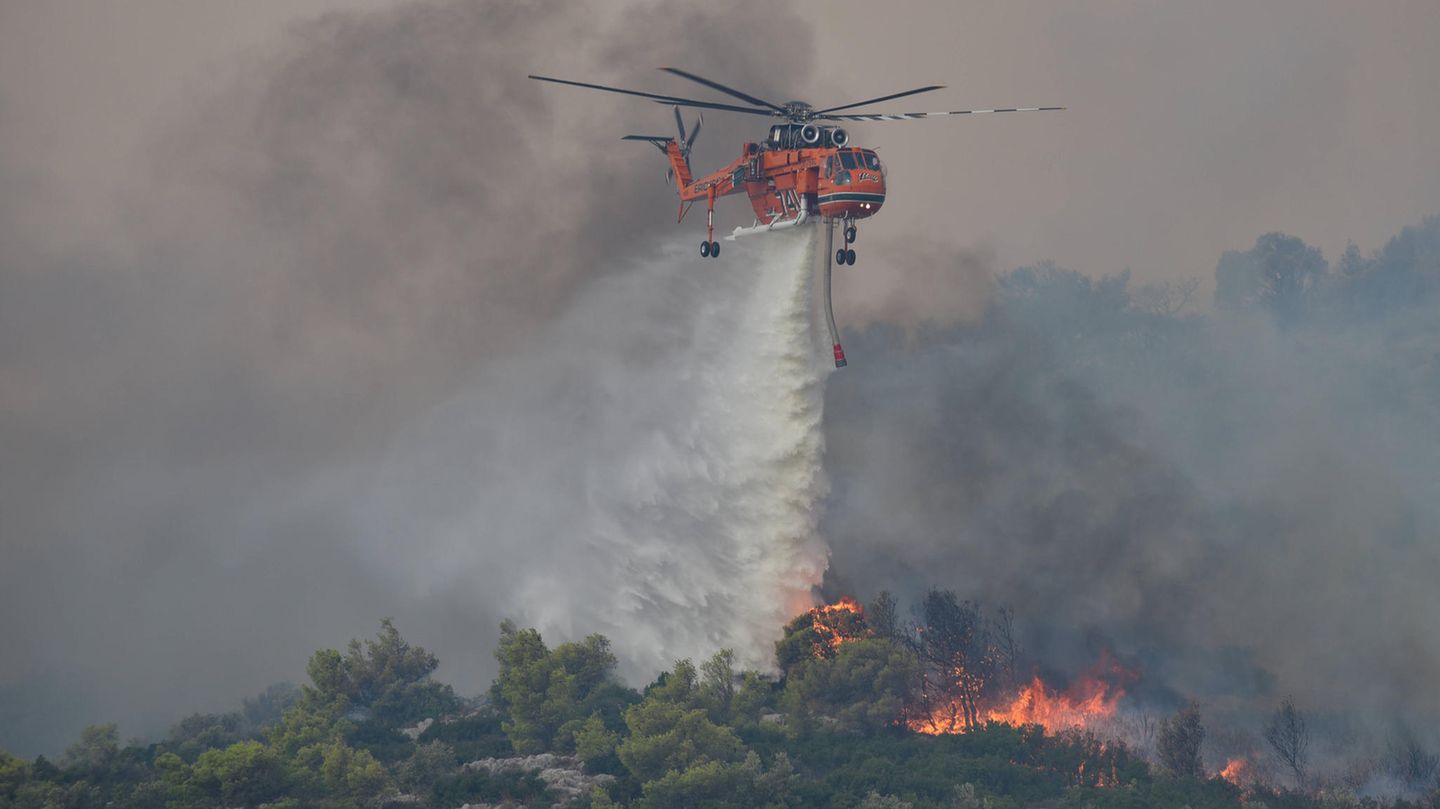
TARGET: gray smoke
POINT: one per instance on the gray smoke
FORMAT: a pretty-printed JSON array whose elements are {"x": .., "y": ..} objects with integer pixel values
[
  {"x": 1241, "y": 510},
  {"x": 374, "y": 216}
]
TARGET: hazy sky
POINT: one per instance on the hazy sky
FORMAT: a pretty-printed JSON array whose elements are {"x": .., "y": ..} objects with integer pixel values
[
  {"x": 241, "y": 251},
  {"x": 1190, "y": 125}
]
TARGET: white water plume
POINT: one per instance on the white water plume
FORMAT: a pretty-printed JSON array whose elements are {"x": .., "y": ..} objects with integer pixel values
[{"x": 649, "y": 468}]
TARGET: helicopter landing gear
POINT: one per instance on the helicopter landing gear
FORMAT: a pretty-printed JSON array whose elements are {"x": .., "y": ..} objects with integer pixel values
[
  {"x": 845, "y": 255},
  {"x": 710, "y": 248}
]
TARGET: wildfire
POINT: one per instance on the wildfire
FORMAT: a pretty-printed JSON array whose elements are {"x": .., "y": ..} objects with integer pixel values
[
  {"x": 1091, "y": 699},
  {"x": 1088, "y": 701},
  {"x": 836, "y": 624},
  {"x": 1237, "y": 771}
]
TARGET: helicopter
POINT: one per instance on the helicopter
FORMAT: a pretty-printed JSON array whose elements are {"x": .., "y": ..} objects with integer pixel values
[{"x": 805, "y": 168}]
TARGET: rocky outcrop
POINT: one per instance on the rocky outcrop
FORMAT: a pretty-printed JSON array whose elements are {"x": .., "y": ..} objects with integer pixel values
[
  {"x": 418, "y": 730},
  {"x": 563, "y": 775}
]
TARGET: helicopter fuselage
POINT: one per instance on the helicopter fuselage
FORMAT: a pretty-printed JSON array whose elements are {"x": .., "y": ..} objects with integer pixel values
[{"x": 843, "y": 183}]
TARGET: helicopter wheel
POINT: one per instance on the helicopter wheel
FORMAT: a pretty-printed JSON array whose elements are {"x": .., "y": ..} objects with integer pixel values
[
  {"x": 705, "y": 249},
  {"x": 840, "y": 256},
  {"x": 850, "y": 233},
  {"x": 850, "y": 257},
  {"x": 714, "y": 249}
]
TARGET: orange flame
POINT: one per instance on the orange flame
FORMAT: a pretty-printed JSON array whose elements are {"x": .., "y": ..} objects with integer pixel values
[
  {"x": 1088, "y": 701},
  {"x": 1237, "y": 771},
  {"x": 836, "y": 624},
  {"x": 1091, "y": 699}
]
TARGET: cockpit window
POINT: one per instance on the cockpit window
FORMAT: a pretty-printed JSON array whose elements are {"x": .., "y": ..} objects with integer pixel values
[
  {"x": 871, "y": 161},
  {"x": 847, "y": 159}
]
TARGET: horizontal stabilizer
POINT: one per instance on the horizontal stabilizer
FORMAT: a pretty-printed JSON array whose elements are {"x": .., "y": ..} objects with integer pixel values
[{"x": 659, "y": 141}]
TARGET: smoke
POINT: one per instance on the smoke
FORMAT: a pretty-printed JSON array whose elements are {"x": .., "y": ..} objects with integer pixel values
[
  {"x": 1243, "y": 510},
  {"x": 203, "y": 343},
  {"x": 648, "y": 468}
]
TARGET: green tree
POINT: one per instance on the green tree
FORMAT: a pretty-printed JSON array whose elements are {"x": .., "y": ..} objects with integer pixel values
[
  {"x": 197, "y": 733},
  {"x": 756, "y": 695},
  {"x": 350, "y": 773},
  {"x": 387, "y": 676},
  {"x": 670, "y": 730},
  {"x": 866, "y": 686},
  {"x": 94, "y": 753},
  {"x": 877, "y": 801},
  {"x": 14, "y": 772},
  {"x": 243, "y": 774},
  {"x": 540, "y": 691},
  {"x": 717, "y": 685},
  {"x": 595, "y": 744}
]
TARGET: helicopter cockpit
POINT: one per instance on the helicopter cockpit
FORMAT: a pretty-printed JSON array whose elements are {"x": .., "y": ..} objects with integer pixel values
[{"x": 839, "y": 166}]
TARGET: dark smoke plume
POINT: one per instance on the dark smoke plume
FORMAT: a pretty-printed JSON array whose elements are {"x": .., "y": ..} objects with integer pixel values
[{"x": 1242, "y": 505}]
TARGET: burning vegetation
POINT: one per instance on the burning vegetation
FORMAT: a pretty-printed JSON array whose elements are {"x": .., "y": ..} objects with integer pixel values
[
  {"x": 868, "y": 713},
  {"x": 966, "y": 663}
]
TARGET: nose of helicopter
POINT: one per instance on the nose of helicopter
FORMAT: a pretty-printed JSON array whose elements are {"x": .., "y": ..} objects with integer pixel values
[
  {"x": 856, "y": 201},
  {"x": 854, "y": 191}
]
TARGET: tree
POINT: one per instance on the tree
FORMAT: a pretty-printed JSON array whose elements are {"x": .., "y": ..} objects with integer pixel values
[
  {"x": 877, "y": 801},
  {"x": 197, "y": 733},
  {"x": 351, "y": 773},
  {"x": 1278, "y": 274},
  {"x": 955, "y": 645},
  {"x": 1289, "y": 738},
  {"x": 717, "y": 685},
  {"x": 883, "y": 616},
  {"x": 1289, "y": 269},
  {"x": 756, "y": 695},
  {"x": 670, "y": 730},
  {"x": 595, "y": 744},
  {"x": 95, "y": 751},
  {"x": 540, "y": 691},
  {"x": 1178, "y": 745},
  {"x": 14, "y": 772},
  {"x": 1007, "y": 647},
  {"x": 243, "y": 774},
  {"x": 266, "y": 708},
  {"x": 387, "y": 676},
  {"x": 865, "y": 687}
]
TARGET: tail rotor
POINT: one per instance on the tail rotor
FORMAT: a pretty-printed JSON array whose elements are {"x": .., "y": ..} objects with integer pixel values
[{"x": 686, "y": 141}]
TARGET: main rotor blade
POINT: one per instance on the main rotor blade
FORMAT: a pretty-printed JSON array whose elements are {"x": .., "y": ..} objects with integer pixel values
[
  {"x": 715, "y": 85},
  {"x": 910, "y": 116},
  {"x": 882, "y": 98},
  {"x": 679, "y": 123},
  {"x": 711, "y": 105},
  {"x": 685, "y": 102}
]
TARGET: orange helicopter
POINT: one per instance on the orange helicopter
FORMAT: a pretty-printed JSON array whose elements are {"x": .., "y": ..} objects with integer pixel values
[{"x": 802, "y": 170}]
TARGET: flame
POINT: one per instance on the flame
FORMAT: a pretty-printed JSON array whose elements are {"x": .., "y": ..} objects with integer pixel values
[
  {"x": 1088, "y": 701},
  {"x": 1237, "y": 771},
  {"x": 836, "y": 624},
  {"x": 1091, "y": 699}
]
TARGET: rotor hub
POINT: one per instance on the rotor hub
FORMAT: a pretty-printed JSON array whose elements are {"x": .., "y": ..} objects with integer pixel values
[{"x": 798, "y": 111}]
